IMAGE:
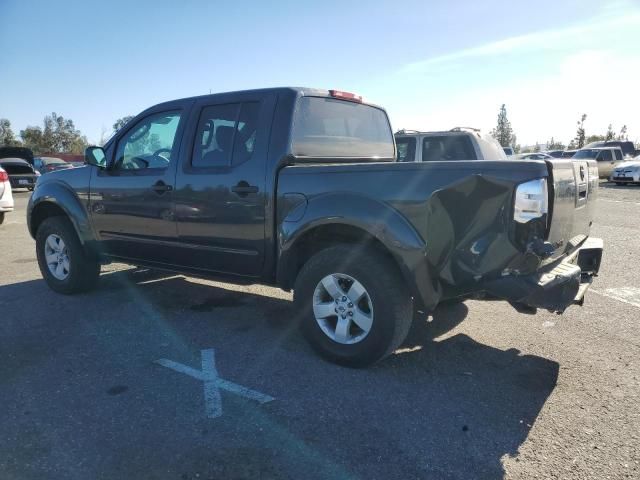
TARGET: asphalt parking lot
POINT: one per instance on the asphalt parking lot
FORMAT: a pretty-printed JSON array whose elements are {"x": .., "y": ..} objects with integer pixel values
[{"x": 88, "y": 389}]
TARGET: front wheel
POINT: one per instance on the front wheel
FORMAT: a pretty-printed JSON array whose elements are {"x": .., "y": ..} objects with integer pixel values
[
  {"x": 1, "y": 218},
  {"x": 354, "y": 306},
  {"x": 65, "y": 265}
]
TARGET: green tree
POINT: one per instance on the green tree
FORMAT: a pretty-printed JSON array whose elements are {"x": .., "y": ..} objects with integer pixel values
[
  {"x": 594, "y": 138},
  {"x": 610, "y": 135},
  {"x": 580, "y": 133},
  {"x": 121, "y": 122},
  {"x": 555, "y": 145},
  {"x": 7, "y": 137},
  {"x": 58, "y": 135},
  {"x": 623, "y": 133},
  {"x": 32, "y": 138},
  {"x": 503, "y": 131}
]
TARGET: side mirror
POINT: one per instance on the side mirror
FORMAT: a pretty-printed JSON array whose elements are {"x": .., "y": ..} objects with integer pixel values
[{"x": 95, "y": 156}]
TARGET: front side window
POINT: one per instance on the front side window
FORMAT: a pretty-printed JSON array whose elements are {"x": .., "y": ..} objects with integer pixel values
[
  {"x": 605, "y": 156},
  {"x": 226, "y": 135},
  {"x": 326, "y": 127},
  {"x": 406, "y": 148},
  {"x": 447, "y": 147},
  {"x": 618, "y": 154},
  {"x": 149, "y": 144}
]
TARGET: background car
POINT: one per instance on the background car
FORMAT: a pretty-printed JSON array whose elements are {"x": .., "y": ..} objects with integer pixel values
[
  {"x": 50, "y": 164},
  {"x": 627, "y": 147},
  {"x": 459, "y": 143},
  {"x": 6, "y": 196},
  {"x": 607, "y": 157},
  {"x": 533, "y": 156},
  {"x": 508, "y": 151},
  {"x": 555, "y": 153},
  {"x": 568, "y": 153},
  {"x": 21, "y": 173},
  {"x": 627, "y": 172}
]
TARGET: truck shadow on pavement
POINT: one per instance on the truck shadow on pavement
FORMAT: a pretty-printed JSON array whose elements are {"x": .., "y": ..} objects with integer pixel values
[{"x": 443, "y": 406}]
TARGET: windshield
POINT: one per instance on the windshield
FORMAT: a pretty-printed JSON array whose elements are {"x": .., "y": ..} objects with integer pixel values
[
  {"x": 586, "y": 153},
  {"x": 326, "y": 127}
]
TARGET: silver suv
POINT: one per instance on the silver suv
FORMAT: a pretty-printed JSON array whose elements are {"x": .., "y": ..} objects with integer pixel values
[{"x": 459, "y": 143}]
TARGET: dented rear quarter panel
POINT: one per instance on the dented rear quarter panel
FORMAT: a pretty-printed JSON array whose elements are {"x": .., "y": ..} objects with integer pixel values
[{"x": 447, "y": 221}]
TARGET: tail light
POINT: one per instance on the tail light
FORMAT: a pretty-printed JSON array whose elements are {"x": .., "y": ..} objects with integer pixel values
[
  {"x": 4, "y": 176},
  {"x": 532, "y": 201}
]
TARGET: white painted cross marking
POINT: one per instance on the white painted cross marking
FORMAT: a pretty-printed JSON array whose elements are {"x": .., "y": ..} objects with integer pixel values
[{"x": 213, "y": 383}]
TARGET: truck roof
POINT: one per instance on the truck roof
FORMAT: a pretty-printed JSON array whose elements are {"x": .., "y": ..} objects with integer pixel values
[{"x": 297, "y": 91}]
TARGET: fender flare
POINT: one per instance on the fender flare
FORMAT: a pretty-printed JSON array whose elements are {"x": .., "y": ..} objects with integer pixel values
[
  {"x": 380, "y": 220},
  {"x": 59, "y": 194}
]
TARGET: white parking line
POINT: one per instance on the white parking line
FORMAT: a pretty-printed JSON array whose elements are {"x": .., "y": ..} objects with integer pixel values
[
  {"x": 213, "y": 383},
  {"x": 617, "y": 201},
  {"x": 628, "y": 295}
]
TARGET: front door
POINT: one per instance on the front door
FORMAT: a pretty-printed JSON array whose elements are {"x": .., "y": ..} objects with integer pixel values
[
  {"x": 220, "y": 187},
  {"x": 131, "y": 204},
  {"x": 605, "y": 163}
]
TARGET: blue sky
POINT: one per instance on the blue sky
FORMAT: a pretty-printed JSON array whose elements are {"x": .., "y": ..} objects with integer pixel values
[{"x": 432, "y": 64}]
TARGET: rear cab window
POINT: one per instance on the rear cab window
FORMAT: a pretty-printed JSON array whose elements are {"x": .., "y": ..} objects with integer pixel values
[
  {"x": 447, "y": 147},
  {"x": 332, "y": 128}
]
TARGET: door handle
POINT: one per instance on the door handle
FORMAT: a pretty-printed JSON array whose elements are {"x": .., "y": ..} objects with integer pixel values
[
  {"x": 160, "y": 187},
  {"x": 243, "y": 189}
]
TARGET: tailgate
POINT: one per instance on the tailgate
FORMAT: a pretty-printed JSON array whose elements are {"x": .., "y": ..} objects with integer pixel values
[{"x": 574, "y": 188}]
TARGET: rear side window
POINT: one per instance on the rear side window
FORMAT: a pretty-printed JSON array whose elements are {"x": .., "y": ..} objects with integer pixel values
[
  {"x": 447, "y": 147},
  {"x": 326, "y": 127},
  {"x": 406, "y": 148},
  {"x": 226, "y": 135}
]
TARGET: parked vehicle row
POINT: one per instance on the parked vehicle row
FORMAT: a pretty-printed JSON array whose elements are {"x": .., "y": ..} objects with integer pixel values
[{"x": 302, "y": 189}]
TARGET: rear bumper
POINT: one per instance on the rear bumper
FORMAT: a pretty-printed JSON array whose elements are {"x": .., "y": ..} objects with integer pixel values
[
  {"x": 556, "y": 287},
  {"x": 23, "y": 181}
]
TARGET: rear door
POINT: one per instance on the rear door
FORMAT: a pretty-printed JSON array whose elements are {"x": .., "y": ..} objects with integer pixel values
[
  {"x": 220, "y": 185},
  {"x": 132, "y": 204}
]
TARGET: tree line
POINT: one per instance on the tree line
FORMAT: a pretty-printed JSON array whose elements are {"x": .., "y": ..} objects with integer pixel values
[
  {"x": 56, "y": 135},
  {"x": 503, "y": 132}
]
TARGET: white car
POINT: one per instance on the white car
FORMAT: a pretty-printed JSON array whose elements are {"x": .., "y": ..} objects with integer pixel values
[
  {"x": 627, "y": 172},
  {"x": 6, "y": 195},
  {"x": 461, "y": 143}
]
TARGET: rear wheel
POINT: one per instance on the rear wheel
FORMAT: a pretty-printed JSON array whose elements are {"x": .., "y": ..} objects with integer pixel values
[
  {"x": 65, "y": 265},
  {"x": 354, "y": 306},
  {"x": 1, "y": 217}
]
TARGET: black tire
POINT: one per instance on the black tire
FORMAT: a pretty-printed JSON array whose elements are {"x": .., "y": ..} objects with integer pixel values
[
  {"x": 1, "y": 218},
  {"x": 392, "y": 304},
  {"x": 84, "y": 269}
]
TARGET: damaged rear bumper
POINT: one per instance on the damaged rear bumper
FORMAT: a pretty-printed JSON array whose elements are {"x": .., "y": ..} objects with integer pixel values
[{"x": 555, "y": 288}]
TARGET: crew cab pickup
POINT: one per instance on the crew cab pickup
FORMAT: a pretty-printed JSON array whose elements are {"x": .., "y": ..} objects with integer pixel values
[{"x": 300, "y": 188}]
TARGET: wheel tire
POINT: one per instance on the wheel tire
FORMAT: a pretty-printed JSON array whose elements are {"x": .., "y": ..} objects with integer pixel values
[
  {"x": 84, "y": 269},
  {"x": 391, "y": 304},
  {"x": 1, "y": 218}
]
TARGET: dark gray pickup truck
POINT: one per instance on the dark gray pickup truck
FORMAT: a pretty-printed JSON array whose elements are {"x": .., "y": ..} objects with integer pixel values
[{"x": 299, "y": 188}]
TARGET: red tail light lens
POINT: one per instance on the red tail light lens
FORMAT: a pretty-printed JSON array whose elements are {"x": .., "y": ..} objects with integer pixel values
[
  {"x": 3, "y": 176},
  {"x": 352, "y": 97}
]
